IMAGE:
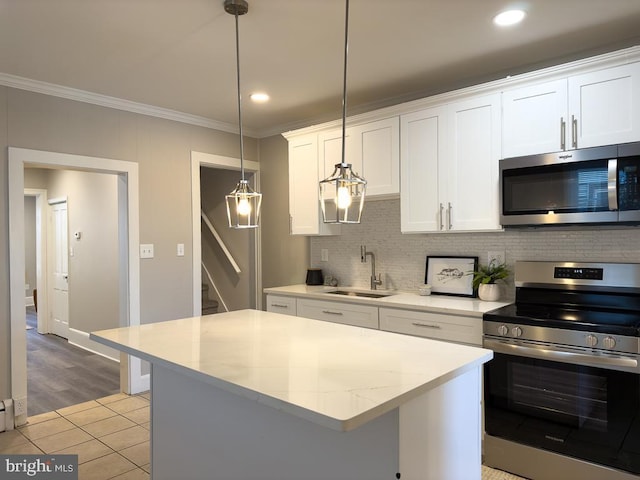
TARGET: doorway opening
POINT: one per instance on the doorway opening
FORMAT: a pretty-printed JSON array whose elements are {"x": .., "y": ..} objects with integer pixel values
[
  {"x": 128, "y": 310},
  {"x": 226, "y": 262}
]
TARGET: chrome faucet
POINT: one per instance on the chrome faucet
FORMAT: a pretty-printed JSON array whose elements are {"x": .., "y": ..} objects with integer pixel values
[{"x": 363, "y": 258}]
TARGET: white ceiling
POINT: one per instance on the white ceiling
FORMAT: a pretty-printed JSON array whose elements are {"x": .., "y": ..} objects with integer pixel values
[{"x": 180, "y": 54}]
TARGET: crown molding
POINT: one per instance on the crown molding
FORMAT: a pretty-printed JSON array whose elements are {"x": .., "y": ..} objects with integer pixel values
[{"x": 84, "y": 96}]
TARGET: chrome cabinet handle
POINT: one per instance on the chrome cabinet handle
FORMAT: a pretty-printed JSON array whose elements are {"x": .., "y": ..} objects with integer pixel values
[
  {"x": 329, "y": 312},
  {"x": 441, "y": 224},
  {"x": 563, "y": 134},
  {"x": 279, "y": 305},
  {"x": 449, "y": 216},
  {"x": 426, "y": 325},
  {"x": 574, "y": 131}
]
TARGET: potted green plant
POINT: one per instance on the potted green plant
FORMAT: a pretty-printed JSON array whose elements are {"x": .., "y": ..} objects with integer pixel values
[{"x": 485, "y": 278}]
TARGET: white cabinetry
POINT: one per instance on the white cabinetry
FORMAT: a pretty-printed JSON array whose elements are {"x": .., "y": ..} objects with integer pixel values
[
  {"x": 592, "y": 109},
  {"x": 339, "y": 312},
  {"x": 378, "y": 147},
  {"x": 449, "y": 169},
  {"x": 373, "y": 151},
  {"x": 281, "y": 304},
  {"x": 452, "y": 328},
  {"x": 304, "y": 207},
  {"x": 371, "y": 148}
]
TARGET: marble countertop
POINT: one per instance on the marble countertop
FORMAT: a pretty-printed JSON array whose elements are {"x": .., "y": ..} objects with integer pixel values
[
  {"x": 335, "y": 375},
  {"x": 396, "y": 299}
]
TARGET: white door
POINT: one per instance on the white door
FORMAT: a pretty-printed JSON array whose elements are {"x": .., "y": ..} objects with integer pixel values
[{"x": 60, "y": 304}]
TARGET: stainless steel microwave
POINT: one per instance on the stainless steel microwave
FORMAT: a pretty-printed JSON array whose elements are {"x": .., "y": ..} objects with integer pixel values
[{"x": 590, "y": 185}]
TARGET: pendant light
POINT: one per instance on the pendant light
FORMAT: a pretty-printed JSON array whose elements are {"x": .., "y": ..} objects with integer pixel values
[
  {"x": 243, "y": 204},
  {"x": 342, "y": 193}
]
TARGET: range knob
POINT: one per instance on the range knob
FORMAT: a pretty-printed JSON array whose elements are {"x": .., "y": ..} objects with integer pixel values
[
  {"x": 516, "y": 331},
  {"x": 503, "y": 330},
  {"x": 609, "y": 342},
  {"x": 592, "y": 340}
]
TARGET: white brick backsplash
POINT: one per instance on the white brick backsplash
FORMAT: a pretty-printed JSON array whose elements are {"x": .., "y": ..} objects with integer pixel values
[{"x": 401, "y": 258}]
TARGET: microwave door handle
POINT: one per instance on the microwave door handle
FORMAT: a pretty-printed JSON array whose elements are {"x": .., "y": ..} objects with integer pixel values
[{"x": 612, "y": 184}]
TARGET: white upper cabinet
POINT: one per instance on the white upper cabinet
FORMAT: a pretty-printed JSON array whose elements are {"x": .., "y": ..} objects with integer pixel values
[
  {"x": 304, "y": 206},
  {"x": 449, "y": 168},
  {"x": 422, "y": 148},
  {"x": 330, "y": 152},
  {"x": 472, "y": 164},
  {"x": 377, "y": 146},
  {"x": 534, "y": 119},
  {"x": 373, "y": 151},
  {"x": 593, "y": 109},
  {"x": 605, "y": 106}
]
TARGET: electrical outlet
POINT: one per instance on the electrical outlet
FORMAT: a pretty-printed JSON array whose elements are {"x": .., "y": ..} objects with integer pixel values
[
  {"x": 324, "y": 254},
  {"x": 146, "y": 250},
  {"x": 498, "y": 257},
  {"x": 19, "y": 407}
]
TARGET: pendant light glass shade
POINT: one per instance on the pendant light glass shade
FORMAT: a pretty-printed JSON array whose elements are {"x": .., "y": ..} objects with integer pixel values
[
  {"x": 342, "y": 193},
  {"x": 243, "y": 204}
]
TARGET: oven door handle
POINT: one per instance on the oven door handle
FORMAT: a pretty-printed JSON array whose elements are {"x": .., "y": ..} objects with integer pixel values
[{"x": 541, "y": 352}]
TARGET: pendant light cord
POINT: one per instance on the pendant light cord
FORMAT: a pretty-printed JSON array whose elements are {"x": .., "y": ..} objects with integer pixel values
[
  {"x": 239, "y": 101},
  {"x": 344, "y": 85}
]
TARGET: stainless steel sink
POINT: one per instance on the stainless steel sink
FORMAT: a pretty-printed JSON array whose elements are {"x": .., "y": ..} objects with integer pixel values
[{"x": 350, "y": 293}]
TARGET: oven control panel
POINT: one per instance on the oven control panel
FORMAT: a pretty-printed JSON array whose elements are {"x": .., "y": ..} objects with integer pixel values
[
  {"x": 578, "y": 273},
  {"x": 605, "y": 342}
]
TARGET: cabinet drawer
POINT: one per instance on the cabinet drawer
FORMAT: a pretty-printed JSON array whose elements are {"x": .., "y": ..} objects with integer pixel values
[
  {"x": 338, "y": 312},
  {"x": 279, "y": 304},
  {"x": 452, "y": 328}
]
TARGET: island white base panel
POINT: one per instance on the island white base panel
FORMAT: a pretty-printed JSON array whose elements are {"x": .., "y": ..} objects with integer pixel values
[{"x": 199, "y": 431}]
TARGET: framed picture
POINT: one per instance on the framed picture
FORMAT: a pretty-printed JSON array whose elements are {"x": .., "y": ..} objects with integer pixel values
[{"x": 451, "y": 275}]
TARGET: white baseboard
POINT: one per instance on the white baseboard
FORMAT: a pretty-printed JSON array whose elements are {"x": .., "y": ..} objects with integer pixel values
[
  {"x": 28, "y": 302},
  {"x": 145, "y": 383},
  {"x": 81, "y": 339}
]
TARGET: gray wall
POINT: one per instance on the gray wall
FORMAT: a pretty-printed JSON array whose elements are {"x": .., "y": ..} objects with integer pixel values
[
  {"x": 285, "y": 258},
  {"x": 161, "y": 148}
]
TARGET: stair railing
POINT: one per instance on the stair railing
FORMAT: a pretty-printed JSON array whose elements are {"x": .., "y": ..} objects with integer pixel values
[
  {"x": 213, "y": 284},
  {"x": 224, "y": 248}
]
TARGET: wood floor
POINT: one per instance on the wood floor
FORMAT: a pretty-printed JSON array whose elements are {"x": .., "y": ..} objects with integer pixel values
[{"x": 60, "y": 374}]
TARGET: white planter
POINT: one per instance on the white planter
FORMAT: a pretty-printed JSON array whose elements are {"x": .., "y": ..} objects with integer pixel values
[{"x": 489, "y": 292}]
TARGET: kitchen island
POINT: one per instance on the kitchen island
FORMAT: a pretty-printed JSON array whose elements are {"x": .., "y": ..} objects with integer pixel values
[{"x": 258, "y": 395}]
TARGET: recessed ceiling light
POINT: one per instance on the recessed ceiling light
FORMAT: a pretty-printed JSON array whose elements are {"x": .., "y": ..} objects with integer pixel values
[
  {"x": 509, "y": 17},
  {"x": 259, "y": 97}
]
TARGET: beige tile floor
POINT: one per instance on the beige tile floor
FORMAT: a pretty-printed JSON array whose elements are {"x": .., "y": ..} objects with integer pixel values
[{"x": 110, "y": 436}]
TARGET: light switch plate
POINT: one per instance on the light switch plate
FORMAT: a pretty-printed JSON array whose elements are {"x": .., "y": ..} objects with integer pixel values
[
  {"x": 180, "y": 250},
  {"x": 146, "y": 250}
]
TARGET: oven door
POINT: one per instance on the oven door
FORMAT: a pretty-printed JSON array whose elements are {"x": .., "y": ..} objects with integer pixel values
[{"x": 585, "y": 412}]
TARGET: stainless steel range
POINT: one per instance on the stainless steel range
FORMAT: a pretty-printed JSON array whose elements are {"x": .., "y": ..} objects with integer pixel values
[{"x": 562, "y": 394}]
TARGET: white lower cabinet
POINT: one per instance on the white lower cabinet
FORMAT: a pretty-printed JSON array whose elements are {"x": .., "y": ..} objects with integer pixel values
[
  {"x": 281, "y": 304},
  {"x": 339, "y": 312},
  {"x": 438, "y": 326}
]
